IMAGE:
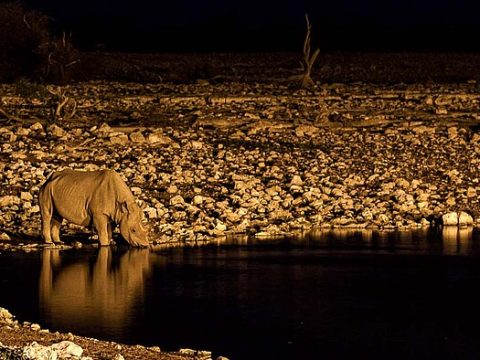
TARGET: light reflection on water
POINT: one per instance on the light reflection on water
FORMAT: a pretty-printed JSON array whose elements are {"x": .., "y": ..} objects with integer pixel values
[
  {"x": 101, "y": 294},
  {"x": 327, "y": 294}
]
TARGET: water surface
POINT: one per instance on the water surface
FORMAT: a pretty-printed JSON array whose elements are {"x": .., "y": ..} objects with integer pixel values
[{"x": 330, "y": 295}]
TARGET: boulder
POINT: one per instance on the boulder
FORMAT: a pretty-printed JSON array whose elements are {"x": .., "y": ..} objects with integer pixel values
[
  {"x": 465, "y": 219},
  {"x": 450, "y": 219}
]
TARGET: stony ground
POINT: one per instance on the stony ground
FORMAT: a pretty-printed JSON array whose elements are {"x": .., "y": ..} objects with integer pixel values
[
  {"x": 264, "y": 160},
  {"x": 16, "y": 338}
]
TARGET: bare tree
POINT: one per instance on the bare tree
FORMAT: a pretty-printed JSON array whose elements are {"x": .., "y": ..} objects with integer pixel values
[
  {"x": 61, "y": 57},
  {"x": 308, "y": 60}
]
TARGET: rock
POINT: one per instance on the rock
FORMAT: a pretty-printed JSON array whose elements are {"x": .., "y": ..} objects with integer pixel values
[
  {"x": 5, "y": 316},
  {"x": 159, "y": 139},
  {"x": 23, "y": 131},
  {"x": 4, "y": 237},
  {"x": 104, "y": 129},
  {"x": 452, "y": 133},
  {"x": 34, "y": 209},
  {"x": 196, "y": 354},
  {"x": 36, "y": 127},
  {"x": 66, "y": 349},
  {"x": 296, "y": 181},
  {"x": 35, "y": 327},
  {"x": 196, "y": 145},
  {"x": 197, "y": 200},
  {"x": 177, "y": 201},
  {"x": 121, "y": 139},
  {"x": 151, "y": 212},
  {"x": 56, "y": 131},
  {"x": 26, "y": 196},
  {"x": 118, "y": 357},
  {"x": 137, "y": 137},
  {"x": 465, "y": 219},
  {"x": 220, "y": 226},
  {"x": 471, "y": 192},
  {"x": 9, "y": 200},
  {"x": 306, "y": 130},
  {"x": 172, "y": 189},
  {"x": 136, "y": 190},
  {"x": 450, "y": 219},
  {"x": 35, "y": 351}
]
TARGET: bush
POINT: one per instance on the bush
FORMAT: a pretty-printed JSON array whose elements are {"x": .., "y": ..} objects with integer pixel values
[
  {"x": 28, "y": 48},
  {"x": 22, "y": 33}
]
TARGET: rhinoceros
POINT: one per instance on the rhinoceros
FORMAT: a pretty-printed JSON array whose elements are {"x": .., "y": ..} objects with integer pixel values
[{"x": 84, "y": 198}]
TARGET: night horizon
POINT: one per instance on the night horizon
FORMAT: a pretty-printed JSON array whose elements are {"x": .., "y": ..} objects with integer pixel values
[{"x": 186, "y": 26}]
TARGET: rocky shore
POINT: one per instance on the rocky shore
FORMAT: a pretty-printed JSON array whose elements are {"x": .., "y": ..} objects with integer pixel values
[
  {"x": 27, "y": 341},
  {"x": 259, "y": 163}
]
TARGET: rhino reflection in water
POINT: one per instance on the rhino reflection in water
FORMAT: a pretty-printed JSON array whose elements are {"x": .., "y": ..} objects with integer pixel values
[
  {"x": 97, "y": 198},
  {"x": 87, "y": 296}
]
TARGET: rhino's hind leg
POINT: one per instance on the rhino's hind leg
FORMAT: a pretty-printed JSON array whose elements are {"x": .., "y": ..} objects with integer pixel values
[
  {"x": 55, "y": 230},
  {"x": 101, "y": 223},
  {"x": 46, "y": 211}
]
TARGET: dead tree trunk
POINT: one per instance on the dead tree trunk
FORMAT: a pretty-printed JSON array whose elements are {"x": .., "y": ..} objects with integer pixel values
[{"x": 308, "y": 60}]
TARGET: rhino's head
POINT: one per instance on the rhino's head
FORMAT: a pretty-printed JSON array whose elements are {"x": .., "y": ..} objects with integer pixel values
[{"x": 131, "y": 224}]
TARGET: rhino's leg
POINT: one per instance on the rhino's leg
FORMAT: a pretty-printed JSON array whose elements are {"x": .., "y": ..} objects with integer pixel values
[
  {"x": 101, "y": 225},
  {"x": 55, "y": 231},
  {"x": 46, "y": 211},
  {"x": 109, "y": 230}
]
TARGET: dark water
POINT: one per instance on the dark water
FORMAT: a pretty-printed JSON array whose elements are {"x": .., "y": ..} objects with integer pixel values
[{"x": 332, "y": 295}]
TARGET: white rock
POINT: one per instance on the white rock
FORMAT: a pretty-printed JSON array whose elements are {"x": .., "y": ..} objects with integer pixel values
[
  {"x": 197, "y": 200},
  {"x": 177, "y": 200},
  {"x": 197, "y": 145},
  {"x": 465, "y": 219},
  {"x": 67, "y": 349},
  {"x": 9, "y": 200},
  {"x": 151, "y": 212},
  {"x": 26, "y": 196},
  {"x": 34, "y": 209},
  {"x": 35, "y": 351},
  {"x": 121, "y": 139},
  {"x": 137, "y": 137},
  {"x": 5, "y": 315},
  {"x": 159, "y": 139},
  {"x": 56, "y": 131},
  {"x": 220, "y": 226},
  {"x": 450, "y": 219},
  {"x": 36, "y": 127},
  {"x": 136, "y": 190},
  {"x": 296, "y": 180},
  {"x": 172, "y": 189}
]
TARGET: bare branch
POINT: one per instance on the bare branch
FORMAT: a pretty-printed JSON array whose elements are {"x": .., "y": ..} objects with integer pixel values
[{"x": 308, "y": 60}]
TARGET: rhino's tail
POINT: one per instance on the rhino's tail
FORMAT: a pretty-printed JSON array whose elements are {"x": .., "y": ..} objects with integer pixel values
[{"x": 49, "y": 176}]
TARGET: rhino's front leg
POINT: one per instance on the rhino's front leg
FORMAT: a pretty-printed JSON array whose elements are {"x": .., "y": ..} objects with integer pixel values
[
  {"x": 101, "y": 223},
  {"x": 109, "y": 230}
]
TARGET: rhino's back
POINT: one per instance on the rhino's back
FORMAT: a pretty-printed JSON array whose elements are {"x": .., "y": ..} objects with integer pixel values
[{"x": 77, "y": 195}]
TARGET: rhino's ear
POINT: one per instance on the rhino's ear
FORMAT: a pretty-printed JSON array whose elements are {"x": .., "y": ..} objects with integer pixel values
[
  {"x": 124, "y": 207},
  {"x": 128, "y": 207}
]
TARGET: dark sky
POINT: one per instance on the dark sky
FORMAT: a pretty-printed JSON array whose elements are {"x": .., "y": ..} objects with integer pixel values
[{"x": 249, "y": 25}]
